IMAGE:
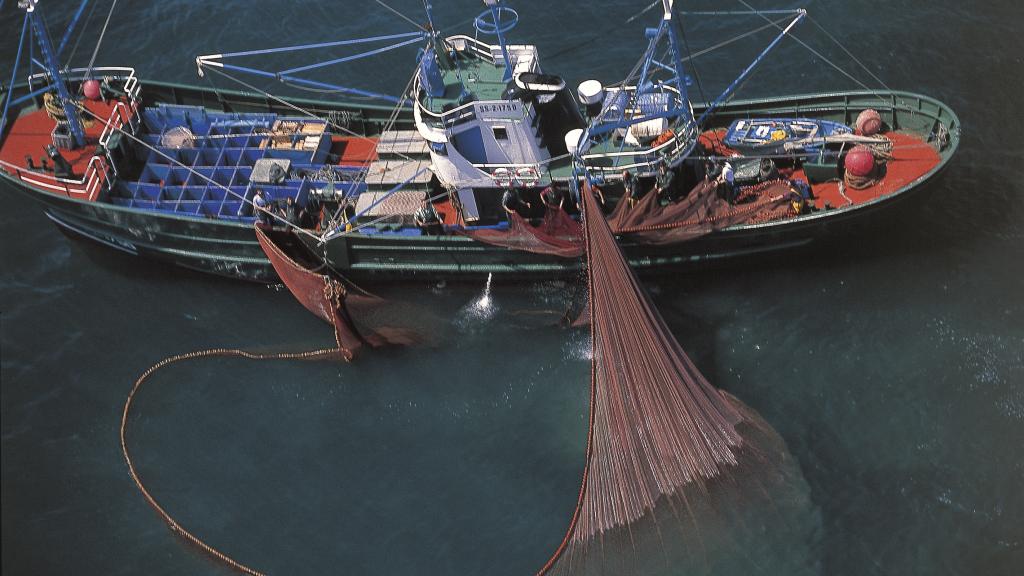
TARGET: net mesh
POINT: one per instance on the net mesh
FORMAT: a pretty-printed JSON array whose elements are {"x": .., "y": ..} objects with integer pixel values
[
  {"x": 701, "y": 212},
  {"x": 660, "y": 436},
  {"x": 358, "y": 320},
  {"x": 557, "y": 235},
  {"x": 178, "y": 137},
  {"x": 645, "y": 221}
]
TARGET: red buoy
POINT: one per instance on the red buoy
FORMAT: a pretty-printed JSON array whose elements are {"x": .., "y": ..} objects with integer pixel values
[
  {"x": 860, "y": 162},
  {"x": 91, "y": 89},
  {"x": 869, "y": 123}
]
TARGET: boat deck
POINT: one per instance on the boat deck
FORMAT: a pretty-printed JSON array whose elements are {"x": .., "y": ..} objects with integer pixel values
[
  {"x": 913, "y": 157},
  {"x": 216, "y": 174},
  {"x": 31, "y": 132}
]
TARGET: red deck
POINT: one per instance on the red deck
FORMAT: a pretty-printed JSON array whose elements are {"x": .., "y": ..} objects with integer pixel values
[
  {"x": 354, "y": 150},
  {"x": 912, "y": 159},
  {"x": 29, "y": 135}
]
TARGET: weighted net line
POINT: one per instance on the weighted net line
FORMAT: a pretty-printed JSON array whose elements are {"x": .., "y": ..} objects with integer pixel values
[{"x": 656, "y": 424}]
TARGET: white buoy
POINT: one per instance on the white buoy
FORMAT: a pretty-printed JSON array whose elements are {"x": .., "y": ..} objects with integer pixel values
[
  {"x": 590, "y": 92},
  {"x": 572, "y": 140}
]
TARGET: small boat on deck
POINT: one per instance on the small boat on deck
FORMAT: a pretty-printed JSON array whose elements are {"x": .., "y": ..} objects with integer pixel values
[{"x": 171, "y": 172}]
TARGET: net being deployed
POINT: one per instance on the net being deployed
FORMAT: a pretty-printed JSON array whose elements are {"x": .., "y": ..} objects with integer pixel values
[
  {"x": 679, "y": 477},
  {"x": 660, "y": 436}
]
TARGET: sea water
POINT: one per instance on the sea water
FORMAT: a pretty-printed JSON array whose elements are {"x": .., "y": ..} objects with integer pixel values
[{"x": 891, "y": 363}]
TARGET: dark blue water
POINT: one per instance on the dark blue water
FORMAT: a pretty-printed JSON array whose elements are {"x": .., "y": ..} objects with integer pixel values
[{"x": 892, "y": 364}]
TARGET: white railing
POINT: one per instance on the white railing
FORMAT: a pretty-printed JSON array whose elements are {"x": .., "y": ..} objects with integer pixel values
[
  {"x": 96, "y": 172},
  {"x": 131, "y": 83},
  {"x": 679, "y": 144},
  {"x": 480, "y": 48}
]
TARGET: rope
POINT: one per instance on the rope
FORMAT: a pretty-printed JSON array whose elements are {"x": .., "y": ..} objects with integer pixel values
[
  {"x": 402, "y": 16},
  {"x": 54, "y": 110},
  {"x": 173, "y": 524},
  {"x": 882, "y": 152},
  {"x": 88, "y": 71},
  {"x": 819, "y": 54},
  {"x": 81, "y": 34},
  {"x": 334, "y": 293},
  {"x": 192, "y": 171}
]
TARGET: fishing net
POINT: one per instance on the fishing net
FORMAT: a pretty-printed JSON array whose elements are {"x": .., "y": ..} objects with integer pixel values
[
  {"x": 668, "y": 455},
  {"x": 645, "y": 221},
  {"x": 358, "y": 319},
  {"x": 701, "y": 212},
  {"x": 557, "y": 235},
  {"x": 178, "y": 137},
  {"x": 678, "y": 476}
]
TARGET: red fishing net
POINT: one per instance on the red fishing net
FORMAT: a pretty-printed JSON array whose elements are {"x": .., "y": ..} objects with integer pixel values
[
  {"x": 558, "y": 235},
  {"x": 701, "y": 212},
  {"x": 646, "y": 221},
  {"x": 658, "y": 429},
  {"x": 357, "y": 319}
]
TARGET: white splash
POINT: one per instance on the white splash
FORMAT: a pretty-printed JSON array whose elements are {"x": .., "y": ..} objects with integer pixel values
[{"x": 483, "y": 308}]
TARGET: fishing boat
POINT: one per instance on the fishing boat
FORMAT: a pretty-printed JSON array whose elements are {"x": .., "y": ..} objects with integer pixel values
[{"x": 172, "y": 172}]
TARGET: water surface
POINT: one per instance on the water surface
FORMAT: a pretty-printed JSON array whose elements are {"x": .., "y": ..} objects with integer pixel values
[{"x": 892, "y": 364}]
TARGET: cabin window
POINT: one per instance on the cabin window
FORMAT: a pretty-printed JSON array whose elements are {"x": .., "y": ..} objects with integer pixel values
[{"x": 500, "y": 133}]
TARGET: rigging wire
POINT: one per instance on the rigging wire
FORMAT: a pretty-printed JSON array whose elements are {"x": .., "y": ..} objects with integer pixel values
[
  {"x": 88, "y": 71},
  {"x": 590, "y": 40},
  {"x": 81, "y": 34},
  {"x": 400, "y": 15},
  {"x": 819, "y": 54},
  {"x": 191, "y": 171},
  {"x": 848, "y": 53},
  {"x": 696, "y": 75},
  {"x": 297, "y": 108},
  {"x": 734, "y": 39},
  {"x": 365, "y": 173}
]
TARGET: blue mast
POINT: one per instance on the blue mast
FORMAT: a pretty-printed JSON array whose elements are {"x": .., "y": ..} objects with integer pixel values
[
  {"x": 52, "y": 66},
  {"x": 498, "y": 27},
  {"x": 677, "y": 60}
]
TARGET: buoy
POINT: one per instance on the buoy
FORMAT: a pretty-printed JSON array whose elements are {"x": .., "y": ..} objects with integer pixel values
[
  {"x": 860, "y": 162},
  {"x": 869, "y": 123},
  {"x": 572, "y": 140},
  {"x": 91, "y": 89},
  {"x": 591, "y": 95},
  {"x": 590, "y": 92}
]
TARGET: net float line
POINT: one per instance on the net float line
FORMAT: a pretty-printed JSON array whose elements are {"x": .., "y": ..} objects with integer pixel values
[
  {"x": 323, "y": 296},
  {"x": 174, "y": 525}
]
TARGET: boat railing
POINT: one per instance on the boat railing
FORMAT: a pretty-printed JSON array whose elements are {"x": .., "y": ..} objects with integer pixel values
[
  {"x": 123, "y": 114},
  {"x": 445, "y": 120},
  {"x": 130, "y": 85},
  {"x": 87, "y": 188},
  {"x": 675, "y": 147},
  {"x": 481, "y": 49}
]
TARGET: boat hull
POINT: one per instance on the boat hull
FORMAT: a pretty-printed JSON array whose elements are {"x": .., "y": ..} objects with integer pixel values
[{"x": 230, "y": 249}]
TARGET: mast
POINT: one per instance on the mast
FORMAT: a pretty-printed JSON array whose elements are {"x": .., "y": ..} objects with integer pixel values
[
  {"x": 498, "y": 27},
  {"x": 677, "y": 60},
  {"x": 52, "y": 65}
]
